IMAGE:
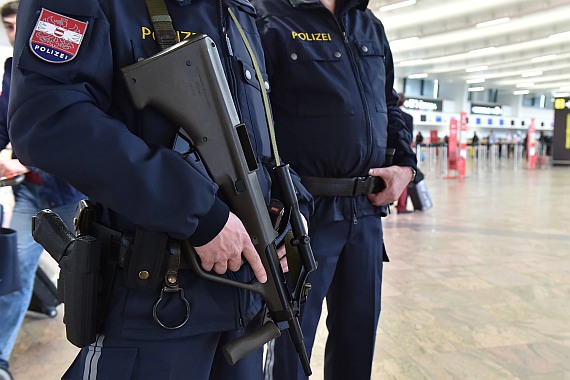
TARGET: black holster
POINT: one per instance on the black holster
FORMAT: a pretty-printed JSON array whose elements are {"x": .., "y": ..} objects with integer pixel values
[{"x": 78, "y": 287}]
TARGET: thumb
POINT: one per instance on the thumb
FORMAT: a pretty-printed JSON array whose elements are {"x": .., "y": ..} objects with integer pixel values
[{"x": 375, "y": 172}]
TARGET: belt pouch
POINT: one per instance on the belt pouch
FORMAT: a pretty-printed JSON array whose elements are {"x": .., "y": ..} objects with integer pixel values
[
  {"x": 78, "y": 287},
  {"x": 147, "y": 264}
]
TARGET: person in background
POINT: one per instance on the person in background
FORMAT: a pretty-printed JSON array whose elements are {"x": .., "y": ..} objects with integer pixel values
[
  {"x": 401, "y": 206},
  {"x": 146, "y": 195},
  {"x": 475, "y": 139},
  {"x": 509, "y": 143},
  {"x": 38, "y": 191},
  {"x": 475, "y": 144},
  {"x": 492, "y": 139},
  {"x": 419, "y": 138},
  {"x": 336, "y": 115}
]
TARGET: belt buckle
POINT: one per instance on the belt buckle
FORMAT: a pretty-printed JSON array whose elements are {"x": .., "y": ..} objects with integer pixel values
[{"x": 361, "y": 186}]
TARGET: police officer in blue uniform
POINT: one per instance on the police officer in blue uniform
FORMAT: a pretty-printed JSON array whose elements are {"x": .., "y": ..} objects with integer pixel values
[
  {"x": 71, "y": 116},
  {"x": 38, "y": 191},
  {"x": 337, "y": 116}
]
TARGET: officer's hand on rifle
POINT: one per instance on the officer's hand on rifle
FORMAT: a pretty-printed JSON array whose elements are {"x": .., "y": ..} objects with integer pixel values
[
  {"x": 282, "y": 254},
  {"x": 396, "y": 179},
  {"x": 281, "y": 251},
  {"x": 225, "y": 251}
]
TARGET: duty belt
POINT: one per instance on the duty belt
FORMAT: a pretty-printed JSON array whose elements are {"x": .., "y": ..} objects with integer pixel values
[{"x": 354, "y": 186}]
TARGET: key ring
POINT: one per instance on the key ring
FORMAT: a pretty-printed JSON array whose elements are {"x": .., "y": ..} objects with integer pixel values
[
  {"x": 155, "y": 307},
  {"x": 171, "y": 286}
]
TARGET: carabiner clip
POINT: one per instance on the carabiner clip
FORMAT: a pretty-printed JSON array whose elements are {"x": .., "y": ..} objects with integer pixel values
[
  {"x": 171, "y": 286},
  {"x": 154, "y": 309}
]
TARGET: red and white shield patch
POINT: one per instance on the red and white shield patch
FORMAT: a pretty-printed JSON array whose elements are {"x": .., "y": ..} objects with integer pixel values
[{"x": 57, "y": 38}]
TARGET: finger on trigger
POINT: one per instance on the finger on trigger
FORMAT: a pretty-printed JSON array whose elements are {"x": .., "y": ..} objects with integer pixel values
[{"x": 254, "y": 261}]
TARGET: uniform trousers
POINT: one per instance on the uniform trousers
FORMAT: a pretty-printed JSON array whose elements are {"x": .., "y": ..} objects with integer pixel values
[
  {"x": 349, "y": 275},
  {"x": 29, "y": 201},
  {"x": 131, "y": 344},
  {"x": 197, "y": 357}
]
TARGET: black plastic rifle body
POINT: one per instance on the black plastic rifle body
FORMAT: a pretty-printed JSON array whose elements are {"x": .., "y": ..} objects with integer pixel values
[{"x": 186, "y": 83}]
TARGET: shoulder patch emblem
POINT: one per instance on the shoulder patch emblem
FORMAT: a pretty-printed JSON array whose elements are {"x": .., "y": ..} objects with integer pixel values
[{"x": 57, "y": 38}]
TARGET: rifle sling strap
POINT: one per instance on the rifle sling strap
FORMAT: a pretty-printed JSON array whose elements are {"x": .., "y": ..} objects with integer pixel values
[
  {"x": 268, "y": 115},
  {"x": 164, "y": 32}
]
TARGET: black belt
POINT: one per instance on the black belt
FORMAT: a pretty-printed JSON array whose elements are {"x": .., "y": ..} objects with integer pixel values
[
  {"x": 346, "y": 187},
  {"x": 117, "y": 244}
]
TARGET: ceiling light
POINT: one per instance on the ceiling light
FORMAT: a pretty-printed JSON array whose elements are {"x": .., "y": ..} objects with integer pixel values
[
  {"x": 483, "y": 50},
  {"x": 476, "y": 89},
  {"x": 498, "y": 21},
  {"x": 525, "y": 84},
  {"x": 560, "y": 35},
  {"x": 411, "y": 62},
  {"x": 561, "y": 94},
  {"x": 418, "y": 76},
  {"x": 544, "y": 58},
  {"x": 401, "y": 4},
  {"x": 476, "y": 80},
  {"x": 404, "y": 40},
  {"x": 474, "y": 69},
  {"x": 531, "y": 74},
  {"x": 521, "y": 92}
]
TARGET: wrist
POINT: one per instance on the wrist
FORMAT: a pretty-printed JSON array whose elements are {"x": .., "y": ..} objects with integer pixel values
[{"x": 413, "y": 171}]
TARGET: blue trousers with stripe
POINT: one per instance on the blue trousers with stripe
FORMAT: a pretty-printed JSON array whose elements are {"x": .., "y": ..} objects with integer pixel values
[{"x": 349, "y": 275}]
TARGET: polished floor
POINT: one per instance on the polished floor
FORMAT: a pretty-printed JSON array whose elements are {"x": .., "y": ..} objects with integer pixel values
[{"x": 477, "y": 288}]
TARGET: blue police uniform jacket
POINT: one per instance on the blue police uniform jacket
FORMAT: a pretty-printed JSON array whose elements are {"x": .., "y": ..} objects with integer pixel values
[
  {"x": 75, "y": 120},
  {"x": 56, "y": 191},
  {"x": 333, "y": 101}
]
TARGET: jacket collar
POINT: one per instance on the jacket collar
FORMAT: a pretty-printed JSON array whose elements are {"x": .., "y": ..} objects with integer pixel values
[{"x": 360, "y": 4}]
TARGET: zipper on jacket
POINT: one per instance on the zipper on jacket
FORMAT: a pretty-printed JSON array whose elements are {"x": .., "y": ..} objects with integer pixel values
[
  {"x": 354, "y": 217},
  {"x": 358, "y": 78}
]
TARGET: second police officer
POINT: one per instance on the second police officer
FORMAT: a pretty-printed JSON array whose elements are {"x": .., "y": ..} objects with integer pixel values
[
  {"x": 70, "y": 115},
  {"x": 336, "y": 115}
]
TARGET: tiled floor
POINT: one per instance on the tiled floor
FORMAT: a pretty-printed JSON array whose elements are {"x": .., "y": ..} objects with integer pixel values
[{"x": 477, "y": 288}]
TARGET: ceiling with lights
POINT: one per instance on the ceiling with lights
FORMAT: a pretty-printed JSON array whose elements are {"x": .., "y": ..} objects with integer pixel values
[{"x": 514, "y": 46}]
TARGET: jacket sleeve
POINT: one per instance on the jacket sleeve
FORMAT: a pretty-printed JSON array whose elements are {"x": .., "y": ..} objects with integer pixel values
[
  {"x": 64, "y": 120},
  {"x": 398, "y": 136},
  {"x": 4, "y": 97}
]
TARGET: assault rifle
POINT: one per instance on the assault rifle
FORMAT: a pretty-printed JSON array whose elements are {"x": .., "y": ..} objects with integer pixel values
[{"x": 186, "y": 83}]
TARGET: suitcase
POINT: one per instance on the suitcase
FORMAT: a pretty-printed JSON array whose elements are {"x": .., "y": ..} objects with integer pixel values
[
  {"x": 419, "y": 195},
  {"x": 44, "y": 297}
]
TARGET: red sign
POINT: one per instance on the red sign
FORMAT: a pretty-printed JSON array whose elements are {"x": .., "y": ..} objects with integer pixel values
[
  {"x": 452, "y": 146},
  {"x": 433, "y": 137},
  {"x": 531, "y": 145},
  {"x": 462, "y": 145}
]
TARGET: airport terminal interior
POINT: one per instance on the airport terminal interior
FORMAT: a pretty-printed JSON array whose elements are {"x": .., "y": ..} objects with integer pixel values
[{"x": 478, "y": 284}]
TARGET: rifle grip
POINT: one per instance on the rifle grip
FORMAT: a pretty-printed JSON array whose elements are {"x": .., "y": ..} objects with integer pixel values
[{"x": 238, "y": 348}]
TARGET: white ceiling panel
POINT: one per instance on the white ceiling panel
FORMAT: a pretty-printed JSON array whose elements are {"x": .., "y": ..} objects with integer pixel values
[{"x": 441, "y": 38}]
